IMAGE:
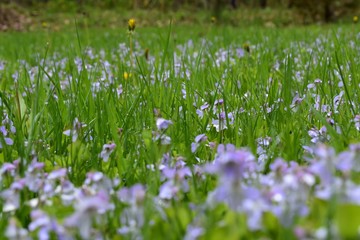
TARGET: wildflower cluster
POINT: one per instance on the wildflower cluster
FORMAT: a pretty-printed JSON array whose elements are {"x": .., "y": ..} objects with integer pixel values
[{"x": 205, "y": 139}]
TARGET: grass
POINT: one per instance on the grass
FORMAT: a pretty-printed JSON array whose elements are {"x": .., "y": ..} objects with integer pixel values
[{"x": 77, "y": 74}]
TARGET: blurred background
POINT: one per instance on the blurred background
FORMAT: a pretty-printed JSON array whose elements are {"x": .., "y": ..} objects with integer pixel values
[{"x": 56, "y": 14}]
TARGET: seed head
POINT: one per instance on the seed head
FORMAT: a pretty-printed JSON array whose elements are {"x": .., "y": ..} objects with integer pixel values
[
  {"x": 246, "y": 47},
  {"x": 146, "y": 54}
]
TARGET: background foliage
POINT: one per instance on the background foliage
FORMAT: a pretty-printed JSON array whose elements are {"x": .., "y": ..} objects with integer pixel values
[{"x": 56, "y": 15}]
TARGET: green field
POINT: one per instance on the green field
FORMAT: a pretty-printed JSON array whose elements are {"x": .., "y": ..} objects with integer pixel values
[{"x": 180, "y": 132}]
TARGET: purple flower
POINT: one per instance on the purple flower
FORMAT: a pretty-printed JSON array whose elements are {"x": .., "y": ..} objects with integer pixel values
[
  {"x": 7, "y": 167},
  {"x": 34, "y": 176},
  {"x": 198, "y": 139},
  {"x": 12, "y": 196},
  {"x": 14, "y": 231},
  {"x": 162, "y": 124},
  {"x": 240, "y": 52},
  {"x": 296, "y": 101},
  {"x": 74, "y": 132},
  {"x": 59, "y": 173},
  {"x": 132, "y": 218},
  {"x": 119, "y": 90},
  {"x": 231, "y": 165},
  {"x": 318, "y": 135},
  {"x": 87, "y": 209},
  {"x": 3, "y": 130},
  {"x": 357, "y": 122},
  {"x": 93, "y": 177},
  {"x": 176, "y": 181},
  {"x": 39, "y": 219},
  {"x": 106, "y": 151},
  {"x": 134, "y": 196},
  {"x": 193, "y": 232}
]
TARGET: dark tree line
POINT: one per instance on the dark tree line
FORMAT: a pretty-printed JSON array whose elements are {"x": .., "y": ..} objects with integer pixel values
[{"x": 325, "y": 10}]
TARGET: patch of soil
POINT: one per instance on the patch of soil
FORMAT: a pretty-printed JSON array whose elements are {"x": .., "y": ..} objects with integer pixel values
[{"x": 12, "y": 18}]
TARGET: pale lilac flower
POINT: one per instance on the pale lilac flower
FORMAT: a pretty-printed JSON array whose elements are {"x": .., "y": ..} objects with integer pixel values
[
  {"x": 119, "y": 90},
  {"x": 34, "y": 175},
  {"x": 9, "y": 125},
  {"x": 106, "y": 151},
  {"x": 93, "y": 177},
  {"x": 311, "y": 86},
  {"x": 198, "y": 139},
  {"x": 231, "y": 164},
  {"x": 296, "y": 102},
  {"x": 357, "y": 122},
  {"x": 40, "y": 220},
  {"x": 262, "y": 151},
  {"x": 319, "y": 136},
  {"x": 176, "y": 182},
  {"x": 59, "y": 173},
  {"x": 134, "y": 196},
  {"x": 11, "y": 196},
  {"x": 163, "y": 138},
  {"x": 74, "y": 132},
  {"x": 223, "y": 120},
  {"x": 162, "y": 124},
  {"x": 200, "y": 113},
  {"x": 5, "y": 132},
  {"x": 9, "y": 141},
  {"x": 204, "y": 106},
  {"x": 321, "y": 233},
  {"x": 240, "y": 52},
  {"x": 2, "y": 65},
  {"x": 7, "y": 168},
  {"x": 219, "y": 125},
  {"x": 88, "y": 209},
  {"x": 14, "y": 231},
  {"x": 193, "y": 232},
  {"x": 67, "y": 192},
  {"x": 338, "y": 100},
  {"x": 132, "y": 218},
  {"x": 324, "y": 164}
]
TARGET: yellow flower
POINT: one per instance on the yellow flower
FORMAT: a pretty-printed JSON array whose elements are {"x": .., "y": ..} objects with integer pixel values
[
  {"x": 127, "y": 75},
  {"x": 355, "y": 19},
  {"x": 131, "y": 24}
]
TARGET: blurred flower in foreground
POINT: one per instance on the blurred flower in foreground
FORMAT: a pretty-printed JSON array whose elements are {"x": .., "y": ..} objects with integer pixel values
[
  {"x": 131, "y": 24},
  {"x": 88, "y": 211},
  {"x": 132, "y": 218},
  {"x": 15, "y": 231}
]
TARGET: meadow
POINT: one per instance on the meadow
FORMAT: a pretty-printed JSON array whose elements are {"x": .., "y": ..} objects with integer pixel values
[{"x": 197, "y": 132}]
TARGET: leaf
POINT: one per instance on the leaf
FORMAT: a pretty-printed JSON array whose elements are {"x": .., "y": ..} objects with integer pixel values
[
  {"x": 21, "y": 108},
  {"x": 348, "y": 220},
  {"x": 270, "y": 221}
]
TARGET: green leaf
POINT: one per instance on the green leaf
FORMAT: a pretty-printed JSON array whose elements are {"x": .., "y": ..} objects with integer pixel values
[{"x": 348, "y": 221}]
